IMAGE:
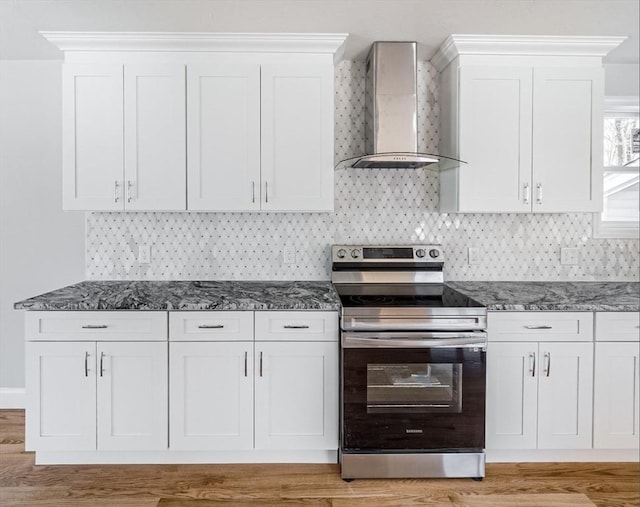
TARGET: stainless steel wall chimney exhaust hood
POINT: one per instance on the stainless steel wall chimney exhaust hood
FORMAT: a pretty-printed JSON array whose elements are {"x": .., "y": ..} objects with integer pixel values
[{"x": 391, "y": 109}]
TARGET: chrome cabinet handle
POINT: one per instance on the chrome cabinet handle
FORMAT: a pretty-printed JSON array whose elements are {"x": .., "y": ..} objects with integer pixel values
[
  {"x": 129, "y": 188},
  {"x": 116, "y": 191},
  {"x": 101, "y": 364},
  {"x": 261, "y": 364},
  {"x": 539, "y": 193},
  {"x": 291, "y": 326},
  {"x": 547, "y": 370},
  {"x": 210, "y": 326},
  {"x": 266, "y": 191},
  {"x": 526, "y": 193},
  {"x": 86, "y": 364},
  {"x": 538, "y": 327},
  {"x": 253, "y": 191},
  {"x": 245, "y": 364},
  {"x": 532, "y": 362},
  {"x": 94, "y": 326}
]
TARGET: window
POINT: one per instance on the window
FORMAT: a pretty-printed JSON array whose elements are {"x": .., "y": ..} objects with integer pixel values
[{"x": 620, "y": 217}]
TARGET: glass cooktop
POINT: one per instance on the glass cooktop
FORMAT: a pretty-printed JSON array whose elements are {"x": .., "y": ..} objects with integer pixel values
[{"x": 402, "y": 295}]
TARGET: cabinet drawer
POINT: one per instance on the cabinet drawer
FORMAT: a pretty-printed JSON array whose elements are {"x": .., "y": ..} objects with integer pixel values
[
  {"x": 96, "y": 326},
  {"x": 211, "y": 326},
  {"x": 618, "y": 326},
  {"x": 296, "y": 326},
  {"x": 535, "y": 326}
]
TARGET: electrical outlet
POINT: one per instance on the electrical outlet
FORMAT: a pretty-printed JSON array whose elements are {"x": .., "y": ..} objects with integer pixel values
[
  {"x": 144, "y": 254},
  {"x": 569, "y": 256},
  {"x": 289, "y": 254},
  {"x": 473, "y": 255}
]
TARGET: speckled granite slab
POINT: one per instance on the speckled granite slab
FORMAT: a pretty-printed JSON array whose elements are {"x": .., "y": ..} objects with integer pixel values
[
  {"x": 187, "y": 295},
  {"x": 554, "y": 296}
]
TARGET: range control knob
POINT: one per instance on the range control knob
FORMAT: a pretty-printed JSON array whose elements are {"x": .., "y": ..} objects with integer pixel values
[
  {"x": 355, "y": 254},
  {"x": 420, "y": 253},
  {"x": 341, "y": 254},
  {"x": 434, "y": 253}
]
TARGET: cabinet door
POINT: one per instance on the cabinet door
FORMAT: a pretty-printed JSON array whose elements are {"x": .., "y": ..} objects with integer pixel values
[
  {"x": 495, "y": 139},
  {"x": 616, "y": 396},
  {"x": 296, "y": 395},
  {"x": 297, "y": 137},
  {"x": 211, "y": 396},
  {"x": 61, "y": 396},
  {"x": 565, "y": 396},
  {"x": 567, "y": 139},
  {"x": 132, "y": 409},
  {"x": 223, "y": 103},
  {"x": 155, "y": 137},
  {"x": 512, "y": 386},
  {"x": 92, "y": 130}
]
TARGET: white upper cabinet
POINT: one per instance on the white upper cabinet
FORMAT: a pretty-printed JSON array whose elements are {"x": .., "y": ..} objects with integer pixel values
[
  {"x": 205, "y": 122},
  {"x": 260, "y": 137},
  {"x": 525, "y": 114},
  {"x": 154, "y": 137},
  {"x": 124, "y": 137},
  {"x": 223, "y": 115},
  {"x": 92, "y": 131},
  {"x": 567, "y": 139},
  {"x": 297, "y": 137}
]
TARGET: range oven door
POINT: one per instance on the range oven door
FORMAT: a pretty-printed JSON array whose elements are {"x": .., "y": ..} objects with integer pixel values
[{"x": 413, "y": 391}]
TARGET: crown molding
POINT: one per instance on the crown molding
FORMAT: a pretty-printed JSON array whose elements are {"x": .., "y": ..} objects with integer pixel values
[
  {"x": 329, "y": 43},
  {"x": 523, "y": 45}
]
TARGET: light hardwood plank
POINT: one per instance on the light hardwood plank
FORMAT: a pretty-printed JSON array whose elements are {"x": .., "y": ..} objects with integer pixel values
[
  {"x": 520, "y": 484},
  {"x": 525, "y": 500}
]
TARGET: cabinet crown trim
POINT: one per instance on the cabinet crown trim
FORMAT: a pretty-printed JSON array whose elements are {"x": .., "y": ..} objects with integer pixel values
[
  {"x": 521, "y": 45},
  {"x": 197, "y": 41}
]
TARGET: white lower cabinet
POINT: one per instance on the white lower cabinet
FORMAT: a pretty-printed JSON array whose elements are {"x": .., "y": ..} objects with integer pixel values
[
  {"x": 96, "y": 396},
  {"x": 539, "y": 381},
  {"x": 617, "y": 381},
  {"x": 229, "y": 392},
  {"x": 296, "y": 395},
  {"x": 181, "y": 387},
  {"x": 539, "y": 395},
  {"x": 211, "y": 395}
]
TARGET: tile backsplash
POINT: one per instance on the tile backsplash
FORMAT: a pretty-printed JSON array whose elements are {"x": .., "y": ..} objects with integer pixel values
[{"x": 371, "y": 206}]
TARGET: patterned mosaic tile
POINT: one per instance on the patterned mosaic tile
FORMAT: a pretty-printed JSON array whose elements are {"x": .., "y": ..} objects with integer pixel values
[{"x": 372, "y": 206}]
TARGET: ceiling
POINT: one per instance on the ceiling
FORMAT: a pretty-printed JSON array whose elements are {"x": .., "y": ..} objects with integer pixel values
[{"x": 428, "y": 22}]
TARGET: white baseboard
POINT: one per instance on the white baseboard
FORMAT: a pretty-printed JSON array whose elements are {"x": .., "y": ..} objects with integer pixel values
[{"x": 12, "y": 397}]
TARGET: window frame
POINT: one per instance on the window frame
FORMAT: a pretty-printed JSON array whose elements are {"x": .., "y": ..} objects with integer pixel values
[{"x": 617, "y": 106}]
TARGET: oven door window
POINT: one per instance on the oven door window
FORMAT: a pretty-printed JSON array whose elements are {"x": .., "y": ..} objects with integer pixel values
[{"x": 405, "y": 388}]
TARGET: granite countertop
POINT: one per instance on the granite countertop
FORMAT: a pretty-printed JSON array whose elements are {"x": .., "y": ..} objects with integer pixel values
[
  {"x": 553, "y": 296},
  {"x": 187, "y": 295}
]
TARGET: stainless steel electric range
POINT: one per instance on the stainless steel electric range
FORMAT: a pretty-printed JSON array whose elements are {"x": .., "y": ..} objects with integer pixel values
[{"x": 413, "y": 357}]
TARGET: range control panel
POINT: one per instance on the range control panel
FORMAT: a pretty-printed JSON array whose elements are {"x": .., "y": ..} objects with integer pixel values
[{"x": 387, "y": 253}]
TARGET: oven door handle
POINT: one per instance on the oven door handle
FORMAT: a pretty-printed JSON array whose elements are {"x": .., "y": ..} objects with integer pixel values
[{"x": 460, "y": 340}]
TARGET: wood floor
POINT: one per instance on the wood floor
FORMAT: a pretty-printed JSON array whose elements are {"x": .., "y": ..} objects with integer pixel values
[{"x": 23, "y": 484}]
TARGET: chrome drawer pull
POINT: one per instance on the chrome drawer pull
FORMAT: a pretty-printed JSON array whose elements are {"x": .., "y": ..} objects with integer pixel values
[
  {"x": 245, "y": 364},
  {"x": 538, "y": 327},
  {"x": 210, "y": 326},
  {"x": 101, "y": 364},
  {"x": 261, "y": 364},
  {"x": 290, "y": 326},
  {"x": 95, "y": 326},
  {"x": 86, "y": 364}
]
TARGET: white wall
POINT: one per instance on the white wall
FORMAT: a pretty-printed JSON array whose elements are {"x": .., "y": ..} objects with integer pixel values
[
  {"x": 622, "y": 79},
  {"x": 41, "y": 247}
]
